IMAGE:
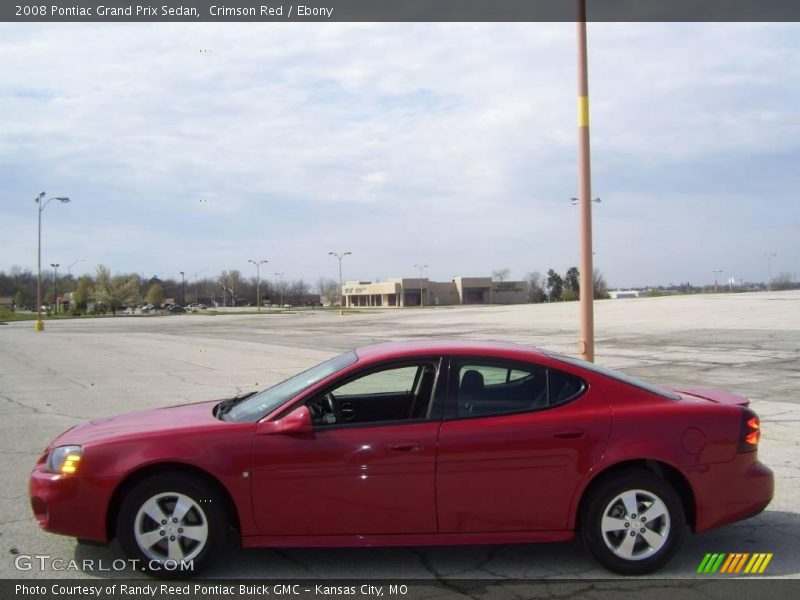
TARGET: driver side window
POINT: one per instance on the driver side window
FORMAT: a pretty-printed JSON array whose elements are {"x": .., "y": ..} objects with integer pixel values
[{"x": 397, "y": 393}]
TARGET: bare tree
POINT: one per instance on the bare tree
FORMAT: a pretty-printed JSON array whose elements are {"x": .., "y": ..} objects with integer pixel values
[
  {"x": 600, "y": 285},
  {"x": 328, "y": 290},
  {"x": 782, "y": 281},
  {"x": 536, "y": 291},
  {"x": 501, "y": 274}
]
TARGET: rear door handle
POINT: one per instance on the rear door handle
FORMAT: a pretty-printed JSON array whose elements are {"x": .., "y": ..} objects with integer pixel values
[
  {"x": 568, "y": 434},
  {"x": 405, "y": 447}
]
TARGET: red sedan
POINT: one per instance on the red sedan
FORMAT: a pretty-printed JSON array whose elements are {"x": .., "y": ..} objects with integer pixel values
[{"x": 410, "y": 444}]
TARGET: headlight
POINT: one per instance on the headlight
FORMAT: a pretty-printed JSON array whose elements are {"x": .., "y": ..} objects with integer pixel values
[{"x": 63, "y": 459}]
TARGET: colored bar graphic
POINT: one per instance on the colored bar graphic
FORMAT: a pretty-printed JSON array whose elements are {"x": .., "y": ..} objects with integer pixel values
[
  {"x": 765, "y": 563},
  {"x": 733, "y": 563},
  {"x": 705, "y": 561},
  {"x": 717, "y": 563}
]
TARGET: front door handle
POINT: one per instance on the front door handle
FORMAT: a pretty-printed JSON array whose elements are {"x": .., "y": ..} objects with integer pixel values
[
  {"x": 405, "y": 447},
  {"x": 568, "y": 434}
]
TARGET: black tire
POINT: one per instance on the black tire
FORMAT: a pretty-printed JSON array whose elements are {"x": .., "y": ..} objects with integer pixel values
[
  {"x": 637, "y": 547},
  {"x": 174, "y": 551}
]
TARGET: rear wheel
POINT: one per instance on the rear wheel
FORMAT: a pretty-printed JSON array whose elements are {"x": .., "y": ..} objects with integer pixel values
[
  {"x": 172, "y": 524},
  {"x": 634, "y": 523}
]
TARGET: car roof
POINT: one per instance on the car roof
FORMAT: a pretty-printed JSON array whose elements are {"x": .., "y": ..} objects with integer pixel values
[{"x": 411, "y": 348}]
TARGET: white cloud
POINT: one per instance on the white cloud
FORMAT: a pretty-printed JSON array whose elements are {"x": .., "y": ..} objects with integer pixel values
[{"x": 452, "y": 144}]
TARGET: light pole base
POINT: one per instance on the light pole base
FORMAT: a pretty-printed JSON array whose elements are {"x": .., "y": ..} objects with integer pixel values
[{"x": 38, "y": 325}]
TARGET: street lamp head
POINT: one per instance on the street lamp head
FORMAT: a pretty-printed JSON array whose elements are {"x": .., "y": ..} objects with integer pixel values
[
  {"x": 39, "y": 197},
  {"x": 575, "y": 201},
  {"x": 62, "y": 199},
  {"x": 346, "y": 253},
  {"x": 55, "y": 265}
]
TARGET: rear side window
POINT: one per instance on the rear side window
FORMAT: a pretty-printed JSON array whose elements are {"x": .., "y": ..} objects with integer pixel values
[
  {"x": 563, "y": 387},
  {"x": 494, "y": 388}
]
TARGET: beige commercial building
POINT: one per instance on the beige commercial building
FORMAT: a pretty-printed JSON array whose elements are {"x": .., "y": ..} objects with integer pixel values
[{"x": 409, "y": 291}]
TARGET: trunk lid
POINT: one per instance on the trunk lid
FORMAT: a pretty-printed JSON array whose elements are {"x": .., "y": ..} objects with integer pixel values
[{"x": 718, "y": 396}]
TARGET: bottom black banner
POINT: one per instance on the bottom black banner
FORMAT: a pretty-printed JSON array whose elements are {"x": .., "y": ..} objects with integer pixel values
[{"x": 416, "y": 589}]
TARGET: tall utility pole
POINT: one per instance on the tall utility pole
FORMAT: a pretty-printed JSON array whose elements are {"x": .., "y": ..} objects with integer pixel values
[
  {"x": 420, "y": 267},
  {"x": 196, "y": 301},
  {"x": 39, "y": 324},
  {"x": 55, "y": 283},
  {"x": 586, "y": 343},
  {"x": 258, "y": 264},
  {"x": 717, "y": 273},
  {"x": 280, "y": 285},
  {"x": 769, "y": 256},
  {"x": 340, "y": 256},
  {"x": 183, "y": 288}
]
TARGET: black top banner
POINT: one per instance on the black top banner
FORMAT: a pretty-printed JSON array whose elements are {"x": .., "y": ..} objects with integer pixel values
[{"x": 397, "y": 10}]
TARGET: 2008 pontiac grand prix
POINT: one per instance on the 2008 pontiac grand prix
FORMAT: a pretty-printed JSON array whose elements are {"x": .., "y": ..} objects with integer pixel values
[{"x": 416, "y": 443}]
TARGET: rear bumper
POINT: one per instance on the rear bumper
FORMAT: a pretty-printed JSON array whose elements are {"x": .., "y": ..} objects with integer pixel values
[
  {"x": 728, "y": 492},
  {"x": 71, "y": 504}
]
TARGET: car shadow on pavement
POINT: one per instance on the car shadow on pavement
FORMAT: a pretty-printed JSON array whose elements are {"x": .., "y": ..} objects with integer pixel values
[{"x": 773, "y": 531}]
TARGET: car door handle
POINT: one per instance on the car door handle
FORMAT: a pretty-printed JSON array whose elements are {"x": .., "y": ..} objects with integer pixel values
[
  {"x": 405, "y": 447},
  {"x": 568, "y": 434}
]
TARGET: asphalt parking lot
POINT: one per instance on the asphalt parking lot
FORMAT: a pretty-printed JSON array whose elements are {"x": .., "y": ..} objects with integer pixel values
[{"x": 84, "y": 369}]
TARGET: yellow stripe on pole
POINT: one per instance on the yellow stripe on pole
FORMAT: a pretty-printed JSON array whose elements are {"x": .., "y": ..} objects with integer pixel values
[{"x": 583, "y": 111}]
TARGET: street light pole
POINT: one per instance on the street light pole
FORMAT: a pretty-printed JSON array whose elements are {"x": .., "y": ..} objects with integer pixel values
[
  {"x": 183, "y": 288},
  {"x": 340, "y": 257},
  {"x": 717, "y": 273},
  {"x": 69, "y": 268},
  {"x": 55, "y": 283},
  {"x": 39, "y": 324},
  {"x": 258, "y": 264},
  {"x": 769, "y": 256},
  {"x": 420, "y": 267},
  {"x": 196, "y": 301},
  {"x": 586, "y": 343},
  {"x": 280, "y": 285}
]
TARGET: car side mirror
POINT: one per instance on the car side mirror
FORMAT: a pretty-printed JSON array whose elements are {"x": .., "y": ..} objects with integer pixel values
[{"x": 297, "y": 421}]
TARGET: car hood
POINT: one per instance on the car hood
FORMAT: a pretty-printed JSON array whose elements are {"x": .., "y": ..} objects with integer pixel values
[
  {"x": 157, "y": 421},
  {"x": 718, "y": 396}
]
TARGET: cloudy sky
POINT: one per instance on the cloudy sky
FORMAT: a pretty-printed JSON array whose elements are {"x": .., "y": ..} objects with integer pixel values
[{"x": 197, "y": 147}]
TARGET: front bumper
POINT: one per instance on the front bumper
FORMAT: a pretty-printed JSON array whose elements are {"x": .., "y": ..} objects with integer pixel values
[
  {"x": 74, "y": 505},
  {"x": 728, "y": 492}
]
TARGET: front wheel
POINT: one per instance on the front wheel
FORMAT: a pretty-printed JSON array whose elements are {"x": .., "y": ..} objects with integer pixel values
[
  {"x": 171, "y": 524},
  {"x": 634, "y": 523}
]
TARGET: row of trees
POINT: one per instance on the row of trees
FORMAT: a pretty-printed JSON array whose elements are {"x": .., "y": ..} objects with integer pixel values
[
  {"x": 555, "y": 288},
  {"x": 107, "y": 292}
]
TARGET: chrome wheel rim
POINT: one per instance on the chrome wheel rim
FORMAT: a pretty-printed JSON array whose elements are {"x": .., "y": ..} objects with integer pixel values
[
  {"x": 635, "y": 524},
  {"x": 171, "y": 526}
]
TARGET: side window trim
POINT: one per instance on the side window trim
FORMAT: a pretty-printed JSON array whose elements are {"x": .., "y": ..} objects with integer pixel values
[
  {"x": 456, "y": 362},
  {"x": 435, "y": 409}
]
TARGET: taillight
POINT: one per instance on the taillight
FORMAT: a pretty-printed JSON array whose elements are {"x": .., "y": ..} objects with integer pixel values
[{"x": 751, "y": 431}]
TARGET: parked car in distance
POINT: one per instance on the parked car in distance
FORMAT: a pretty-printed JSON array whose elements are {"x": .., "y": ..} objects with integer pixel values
[
  {"x": 414, "y": 443},
  {"x": 176, "y": 309}
]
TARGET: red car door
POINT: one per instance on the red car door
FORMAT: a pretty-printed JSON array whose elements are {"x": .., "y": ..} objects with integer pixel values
[
  {"x": 368, "y": 466},
  {"x": 515, "y": 443}
]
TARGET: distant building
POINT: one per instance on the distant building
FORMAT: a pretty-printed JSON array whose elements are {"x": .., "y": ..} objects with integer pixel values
[
  {"x": 618, "y": 294},
  {"x": 410, "y": 291}
]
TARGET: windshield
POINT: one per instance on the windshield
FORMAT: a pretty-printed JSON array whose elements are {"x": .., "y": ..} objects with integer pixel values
[
  {"x": 255, "y": 407},
  {"x": 618, "y": 376}
]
